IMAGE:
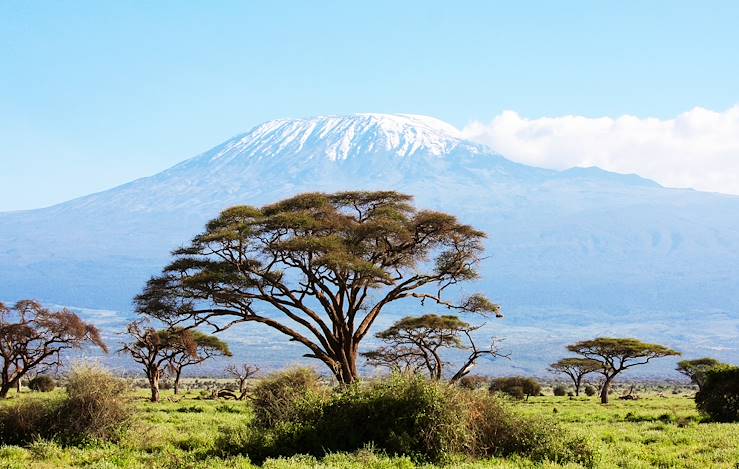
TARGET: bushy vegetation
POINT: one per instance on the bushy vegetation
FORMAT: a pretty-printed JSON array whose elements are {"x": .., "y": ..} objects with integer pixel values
[
  {"x": 590, "y": 390},
  {"x": 93, "y": 407},
  {"x": 719, "y": 394},
  {"x": 633, "y": 434},
  {"x": 559, "y": 390},
  {"x": 281, "y": 397},
  {"x": 42, "y": 383},
  {"x": 402, "y": 416},
  {"x": 518, "y": 387},
  {"x": 474, "y": 382}
]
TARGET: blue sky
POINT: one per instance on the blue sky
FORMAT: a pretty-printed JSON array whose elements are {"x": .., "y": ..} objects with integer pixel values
[{"x": 94, "y": 94}]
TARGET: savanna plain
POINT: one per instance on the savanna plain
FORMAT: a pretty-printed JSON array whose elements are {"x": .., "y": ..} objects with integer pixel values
[{"x": 661, "y": 429}]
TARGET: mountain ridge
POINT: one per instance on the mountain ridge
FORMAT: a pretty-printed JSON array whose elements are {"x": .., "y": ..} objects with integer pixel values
[{"x": 582, "y": 239}]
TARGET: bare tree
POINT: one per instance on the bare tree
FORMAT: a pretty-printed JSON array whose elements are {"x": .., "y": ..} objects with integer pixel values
[
  {"x": 242, "y": 373},
  {"x": 318, "y": 268},
  {"x": 33, "y": 337},
  {"x": 416, "y": 343}
]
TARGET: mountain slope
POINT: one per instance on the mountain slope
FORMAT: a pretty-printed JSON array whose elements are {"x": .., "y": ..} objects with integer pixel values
[{"x": 606, "y": 244}]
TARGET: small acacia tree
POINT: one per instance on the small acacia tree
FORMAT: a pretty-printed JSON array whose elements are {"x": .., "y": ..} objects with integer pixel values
[
  {"x": 416, "y": 343},
  {"x": 241, "y": 373},
  {"x": 193, "y": 347},
  {"x": 696, "y": 369},
  {"x": 616, "y": 355},
  {"x": 576, "y": 369},
  {"x": 157, "y": 350},
  {"x": 33, "y": 337},
  {"x": 318, "y": 268}
]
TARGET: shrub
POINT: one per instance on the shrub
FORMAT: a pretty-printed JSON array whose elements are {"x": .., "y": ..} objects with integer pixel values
[
  {"x": 404, "y": 416},
  {"x": 474, "y": 382},
  {"x": 93, "y": 408},
  {"x": 42, "y": 383},
  {"x": 589, "y": 390},
  {"x": 277, "y": 397},
  {"x": 559, "y": 390},
  {"x": 25, "y": 420},
  {"x": 96, "y": 406},
  {"x": 719, "y": 395},
  {"x": 516, "y": 386}
]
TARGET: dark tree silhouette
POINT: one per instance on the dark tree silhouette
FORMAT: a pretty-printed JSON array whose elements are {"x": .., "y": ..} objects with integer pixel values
[
  {"x": 241, "y": 374},
  {"x": 696, "y": 369},
  {"x": 416, "y": 343},
  {"x": 193, "y": 350},
  {"x": 616, "y": 355},
  {"x": 157, "y": 350},
  {"x": 33, "y": 337},
  {"x": 576, "y": 369},
  {"x": 318, "y": 268}
]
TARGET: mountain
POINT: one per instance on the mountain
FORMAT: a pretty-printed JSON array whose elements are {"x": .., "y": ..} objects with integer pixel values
[{"x": 580, "y": 251}]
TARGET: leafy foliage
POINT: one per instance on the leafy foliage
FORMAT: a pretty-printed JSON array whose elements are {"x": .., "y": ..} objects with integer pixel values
[
  {"x": 42, "y": 383},
  {"x": 406, "y": 416},
  {"x": 719, "y": 396},
  {"x": 33, "y": 337},
  {"x": 415, "y": 343},
  {"x": 277, "y": 397},
  {"x": 94, "y": 407},
  {"x": 173, "y": 348},
  {"x": 516, "y": 386},
  {"x": 315, "y": 260},
  {"x": 696, "y": 369},
  {"x": 576, "y": 369},
  {"x": 616, "y": 355}
]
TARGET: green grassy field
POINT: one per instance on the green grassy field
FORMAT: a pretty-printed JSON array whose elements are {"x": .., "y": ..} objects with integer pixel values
[{"x": 180, "y": 432}]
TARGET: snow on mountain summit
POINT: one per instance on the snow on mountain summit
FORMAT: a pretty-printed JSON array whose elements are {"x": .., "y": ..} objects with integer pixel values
[{"x": 339, "y": 138}]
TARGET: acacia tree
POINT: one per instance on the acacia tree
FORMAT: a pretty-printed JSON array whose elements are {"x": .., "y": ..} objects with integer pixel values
[
  {"x": 616, "y": 355},
  {"x": 416, "y": 343},
  {"x": 576, "y": 369},
  {"x": 241, "y": 374},
  {"x": 33, "y": 337},
  {"x": 157, "y": 350},
  {"x": 318, "y": 268},
  {"x": 696, "y": 369},
  {"x": 193, "y": 347}
]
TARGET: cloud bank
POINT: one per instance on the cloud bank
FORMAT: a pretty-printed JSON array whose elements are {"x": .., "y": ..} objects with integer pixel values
[{"x": 698, "y": 148}]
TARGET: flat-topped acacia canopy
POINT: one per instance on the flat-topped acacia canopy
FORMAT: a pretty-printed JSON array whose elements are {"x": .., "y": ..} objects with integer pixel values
[{"x": 319, "y": 260}]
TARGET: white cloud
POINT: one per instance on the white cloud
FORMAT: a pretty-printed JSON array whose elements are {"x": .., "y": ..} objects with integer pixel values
[{"x": 698, "y": 149}]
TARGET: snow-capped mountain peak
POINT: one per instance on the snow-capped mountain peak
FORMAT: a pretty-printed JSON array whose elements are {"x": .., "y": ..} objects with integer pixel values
[{"x": 346, "y": 137}]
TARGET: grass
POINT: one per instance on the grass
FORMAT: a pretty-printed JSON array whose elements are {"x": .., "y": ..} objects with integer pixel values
[{"x": 653, "y": 432}]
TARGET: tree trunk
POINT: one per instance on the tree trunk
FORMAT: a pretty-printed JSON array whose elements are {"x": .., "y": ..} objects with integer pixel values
[
  {"x": 604, "y": 391},
  {"x": 577, "y": 387},
  {"x": 344, "y": 366},
  {"x": 177, "y": 381},
  {"x": 4, "y": 390},
  {"x": 18, "y": 386},
  {"x": 154, "y": 386}
]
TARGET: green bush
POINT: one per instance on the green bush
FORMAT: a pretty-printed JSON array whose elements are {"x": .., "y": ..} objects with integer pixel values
[
  {"x": 42, "y": 383},
  {"x": 559, "y": 390},
  {"x": 474, "y": 382},
  {"x": 719, "y": 396},
  {"x": 590, "y": 390},
  {"x": 516, "y": 386},
  {"x": 277, "y": 397},
  {"x": 404, "y": 416},
  {"x": 92, "y": 408}
]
